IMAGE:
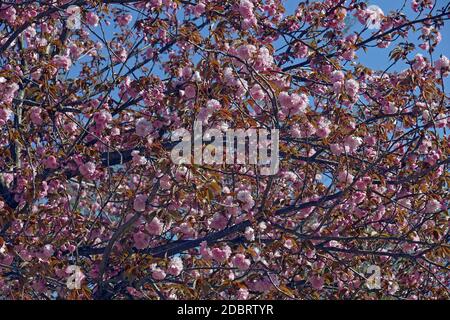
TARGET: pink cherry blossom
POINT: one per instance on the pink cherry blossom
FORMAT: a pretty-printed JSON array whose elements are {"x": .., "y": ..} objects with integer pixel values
[
  {"x": 345, "y": 177},
  {"x": 257, "y": 92},
  {"x": 419, "y": 62},
  {"x": 240, "y": 262},
  {"x": 352, "y": 87},
  {"x": 92, "y": 19},
  {"x": 374, "y": 16},
  {"x": 175, "y": 266},
  {"x": 442, "y": 65},
  {"x": 432, "y": 206},
  {"x": 36, "y": 116},
  {"x": 158, "y": 274},
  {"x": 242, "y": 294},
  {"x": 323, "y": 129},
  {"x": 336, "y": 149},
  {"x": 62, "y": 62},
  {"x": 351, "y": 144},
  {"x": 199, "y": 9},
  {"x": 141, "y": 240},
  {"x": 246, "y": 52},
  {"x": 221, "y": 255},
  {"x": 87, "y": 169},
  {"x": 143, "y": 127},
  {"x": 9, "y": 14},
  {"x": 51, "y": 162},
  {"x": 154, "y": 227},
  {"x": 317, "y": 282},
  {"x": 213, "y": 105},
  {"x": 124, "y": 19},
  {"x": 139, "y": 203}
]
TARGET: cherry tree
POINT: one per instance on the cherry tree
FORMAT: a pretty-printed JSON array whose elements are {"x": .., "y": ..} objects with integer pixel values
[{"x": 92, "y": 90}]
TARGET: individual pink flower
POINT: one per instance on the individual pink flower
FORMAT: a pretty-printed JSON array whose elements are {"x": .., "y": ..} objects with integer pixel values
[
  {"x": 336, "y": 149},
  {"x": 323, "y": 128},
  {"x": 351, "y": 87},
  {"x": 143, "y": 127},
  {"x": 263, "y": 284},
  {"x": 158, "y": 274},
  {"x": 246, "y": 197},
  {"x": 186, "y": 72},
  {"x": 8, "y": 90},
  {"x": 51, "y": 162},
  {"x": 115, "y": 132},
  {"x": 75, "y": 53},
  {"x": 197, "y": 77},
  {"x": 120, "y": 56},
  {"x": 175, "y": 266},
  {"x": 432, "y": 206},
  {"x": 62, "y": 62},
  {"x": 289, "y": 244},
  {"x": 264, "y": 59},
  {"x": 102, "y": 118},
  {"x": 441, "y": 120},
  {"x": 204, "y": 114},
  {"x": 35, "y": 116},
  {"x": 442, "y": 66},
  {"x": 9, "y": 14},
  {"x": 205, "y": 252},
  {"x": 165, "y": 182},
  {"x": 140, "y": 202},
  {"x": 213, "y": 105},
  {"x": 87, "y": 169},
  {"x": 301, "y": 50},
  {"x": 246, "y": 8},
  {"x": 249, "y": 234},
  {"x": 337, "y": 76},
  {"x": 124, "y": 19},
  {"x": 349, "y": 55},
  {"x": 419, "y": 62},
  {"x": 137, "y": 159},
  {"x": 190, "y": 92},
  {"x": 141, "y": 240},
  {"x": 257, "y": 92},
  {"x": 352, "y": 143},
  {"x": 154, "y": 227},
  {"x": 218, "y": 221},
  {"x": 92, "y": 19},
  {"x": 48, "y": 251},
  {"x": 316, "y": 282},
  {"x": 374, "y": 17},
  {"x": 390, "y": 108},
  {"x": 345, "y": 177},
  {"x": 246, "y": 51},
  {"x": 4, "y": 116},
  {"x": 199, "y": 9},
  {"x": 221, "y": 255},
  {"x": 370, "y": 140},
  {"x": 293, "y": 104},
  {"x": 242, "y": 294}
]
